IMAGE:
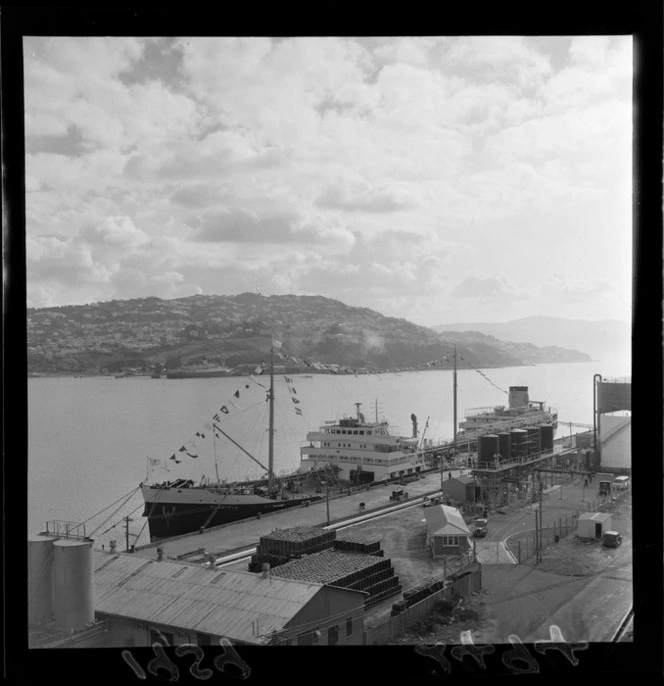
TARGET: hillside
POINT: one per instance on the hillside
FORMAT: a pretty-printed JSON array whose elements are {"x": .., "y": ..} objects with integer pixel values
[
  {"x": 237, "y": 329},
  {"x": 598, "y": 339}
]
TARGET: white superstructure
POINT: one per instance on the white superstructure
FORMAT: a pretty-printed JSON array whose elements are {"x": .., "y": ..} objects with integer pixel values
[{"x": 361, "y": 451}]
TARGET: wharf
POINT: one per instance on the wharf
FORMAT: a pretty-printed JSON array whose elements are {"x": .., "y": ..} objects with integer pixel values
[{"x": 245, "y": 534}]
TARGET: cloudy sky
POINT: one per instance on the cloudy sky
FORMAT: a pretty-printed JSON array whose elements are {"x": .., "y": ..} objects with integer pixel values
[{"x": 435, "y": 179}]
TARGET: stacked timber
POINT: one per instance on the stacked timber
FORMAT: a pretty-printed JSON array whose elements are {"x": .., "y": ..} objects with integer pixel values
[
  {"x": 356, "y": 543},
  {"x": 353, "y": 570},
  {"x": 282, "y": 545}
]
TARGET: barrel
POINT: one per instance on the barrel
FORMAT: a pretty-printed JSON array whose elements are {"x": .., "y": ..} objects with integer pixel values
[
  {"x": 546, "y": 436},
  {"x": 504, "y": 445},
  {"x": 488, "y": 447},
  {"x": 518, "y": 439}
]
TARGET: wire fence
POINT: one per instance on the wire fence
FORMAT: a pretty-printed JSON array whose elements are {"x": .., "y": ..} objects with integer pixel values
[{"x": 524, "y": 546}]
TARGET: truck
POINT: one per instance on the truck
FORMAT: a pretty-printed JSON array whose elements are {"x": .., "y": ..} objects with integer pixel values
[{"x": 605, "y": 483}]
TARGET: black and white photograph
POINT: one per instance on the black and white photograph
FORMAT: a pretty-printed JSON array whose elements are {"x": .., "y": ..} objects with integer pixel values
[{"x": 329, "y": 343}]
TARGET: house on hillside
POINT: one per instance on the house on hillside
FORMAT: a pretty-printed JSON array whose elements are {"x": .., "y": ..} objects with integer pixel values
[{"x": 446, "y": 531}]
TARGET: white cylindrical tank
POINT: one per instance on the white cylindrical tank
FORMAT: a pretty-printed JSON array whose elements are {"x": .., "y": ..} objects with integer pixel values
[
  {"x": 73, "y": 586},
  {"x": 40, "y": 578}
]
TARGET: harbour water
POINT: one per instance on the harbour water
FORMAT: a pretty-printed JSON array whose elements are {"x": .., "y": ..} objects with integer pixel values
[{"x": 89, "y": 439}]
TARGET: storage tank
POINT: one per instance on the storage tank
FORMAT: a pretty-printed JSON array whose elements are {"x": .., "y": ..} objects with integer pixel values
[
  {"x": 488, "y": 446},
  {"x": 546, "y": 436},
  {"x": 73, "y": 603},
  {"x": 517, "y": 440},
  {"x": 504, "y": 445},
  {"x": 534, "y": 440},
  {"x": 40, "y": 578},
  {"x": 613, "y": 395}
]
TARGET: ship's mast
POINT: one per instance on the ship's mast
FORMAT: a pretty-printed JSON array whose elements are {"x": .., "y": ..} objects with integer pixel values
[
  {"x": 270, "y": 449},
  {"x": 454, "y": 382}
]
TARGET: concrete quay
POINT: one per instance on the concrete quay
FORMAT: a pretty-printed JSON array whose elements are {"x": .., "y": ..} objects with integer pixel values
[{"x": 245, "y": 534}]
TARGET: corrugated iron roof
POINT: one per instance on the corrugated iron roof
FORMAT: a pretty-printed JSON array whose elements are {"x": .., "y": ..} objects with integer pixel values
[
  {"x": 596, "y": 516},
  {"x": 445, "y": 520},
  {"x": 225, "y": 603}
]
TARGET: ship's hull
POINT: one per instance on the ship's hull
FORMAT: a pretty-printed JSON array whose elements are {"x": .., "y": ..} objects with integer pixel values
[{"x": 173, "y": 512}]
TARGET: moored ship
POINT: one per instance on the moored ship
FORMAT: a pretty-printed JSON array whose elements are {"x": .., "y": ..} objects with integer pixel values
[
  {"x": 202, "y": 373},
  {"x": 520, "y": 413},
  {"x": 362, "y": 451},
  {"x": 183, "y": 506}
]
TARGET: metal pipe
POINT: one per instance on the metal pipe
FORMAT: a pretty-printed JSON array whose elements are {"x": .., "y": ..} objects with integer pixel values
[{"x": 595, "y": 378}]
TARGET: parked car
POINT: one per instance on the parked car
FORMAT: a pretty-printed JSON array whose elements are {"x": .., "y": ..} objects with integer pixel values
[
  {"x": 611, "y": 539},
  {"x": 480, "y": 529},
  {"x": 621, "y": 483}
]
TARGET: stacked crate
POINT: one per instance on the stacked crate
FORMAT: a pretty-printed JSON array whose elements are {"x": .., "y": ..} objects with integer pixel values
[
  {"x": 356, "y": 543},
  {"x": 353, "y": 570},
  {"x": 283, "y": 545}
]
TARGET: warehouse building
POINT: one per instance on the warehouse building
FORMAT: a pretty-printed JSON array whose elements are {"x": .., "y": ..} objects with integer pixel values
[{"x": 157, "y": 600}]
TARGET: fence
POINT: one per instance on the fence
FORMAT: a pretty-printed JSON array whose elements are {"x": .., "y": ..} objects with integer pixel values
[
  {"x": 523, "y": 546},
  {"x": 468, "y": 582}
]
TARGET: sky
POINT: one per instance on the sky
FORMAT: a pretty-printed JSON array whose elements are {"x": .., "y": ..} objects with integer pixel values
[{"x": 437, "y": 179}]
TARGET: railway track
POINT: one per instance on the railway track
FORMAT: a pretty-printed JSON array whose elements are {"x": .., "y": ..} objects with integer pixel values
[{"x": 246, "y": 554}]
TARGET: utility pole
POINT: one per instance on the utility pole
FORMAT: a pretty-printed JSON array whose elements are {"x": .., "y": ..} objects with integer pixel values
[
  {"x": 541, "y": 521},
  {"x": 536, "y": 538},
  {"x": 327, "y": 493},
  {"x": 127, "y": 520}
]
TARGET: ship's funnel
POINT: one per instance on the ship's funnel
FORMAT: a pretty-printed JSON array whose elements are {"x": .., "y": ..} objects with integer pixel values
[
  {"x": 518, "y": 396},
  {"x": 413, "y": 419}
]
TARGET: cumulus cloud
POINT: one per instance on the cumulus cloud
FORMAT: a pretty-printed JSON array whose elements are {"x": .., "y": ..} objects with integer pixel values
[
  {"x": 393, "y": 171},
  {"x": 249, "y": 226},
  {"x": 361, "y": 199},
  {"x": 495, "y": 286}
]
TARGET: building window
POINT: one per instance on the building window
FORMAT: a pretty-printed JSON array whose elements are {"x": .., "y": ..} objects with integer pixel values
[
  {"x": 349, "y": 627},
  {"x": 333, "y": 636}
]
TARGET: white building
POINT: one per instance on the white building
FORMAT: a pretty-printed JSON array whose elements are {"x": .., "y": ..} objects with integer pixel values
[{"x": 615, "y": 435}]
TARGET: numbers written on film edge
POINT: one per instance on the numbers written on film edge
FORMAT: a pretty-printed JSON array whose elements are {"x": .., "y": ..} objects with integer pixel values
[{"x": 228, "y": 659}]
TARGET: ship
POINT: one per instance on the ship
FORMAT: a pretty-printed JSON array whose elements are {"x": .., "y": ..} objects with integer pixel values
[
  {"x": 520, "y": 413},
  {"x": 182, "y": 506},
  {"x": 202, "y": 373},
  {"x": 363, "y": 452}
]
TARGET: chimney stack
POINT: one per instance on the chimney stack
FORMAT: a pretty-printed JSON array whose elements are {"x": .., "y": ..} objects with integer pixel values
[
  {"x": 112, "y": 545},
  {"x": 212, "y": 559},
  {"x": 265, "y": 570},
  {"x": 160, "y": 554}
]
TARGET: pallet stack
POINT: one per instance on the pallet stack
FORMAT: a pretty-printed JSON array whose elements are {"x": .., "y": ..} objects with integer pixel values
[
  {"x": 356, "y": 543},
  {"x": 352, "y": 570},
  {"x": 283, "y": 545}
]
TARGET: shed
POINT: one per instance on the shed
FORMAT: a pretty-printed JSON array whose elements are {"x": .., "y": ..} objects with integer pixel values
[
  {"x": 462, "y": 488},
  {"x": 447, "y": 533},
  {"x": 192, "y": 604},
  {"x": 593, "y": 524}
]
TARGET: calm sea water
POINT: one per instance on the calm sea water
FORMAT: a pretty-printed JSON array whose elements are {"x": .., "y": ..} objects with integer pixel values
[{"x": 89, "y": 438}]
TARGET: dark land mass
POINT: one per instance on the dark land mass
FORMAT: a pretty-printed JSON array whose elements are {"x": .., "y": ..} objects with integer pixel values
[{"x": 231, "y": 330}]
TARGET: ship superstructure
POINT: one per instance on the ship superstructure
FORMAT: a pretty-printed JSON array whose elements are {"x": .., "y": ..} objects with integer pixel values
[
  {"x": 520, "y": 413},
  {"x": 362, "y": 451}
]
